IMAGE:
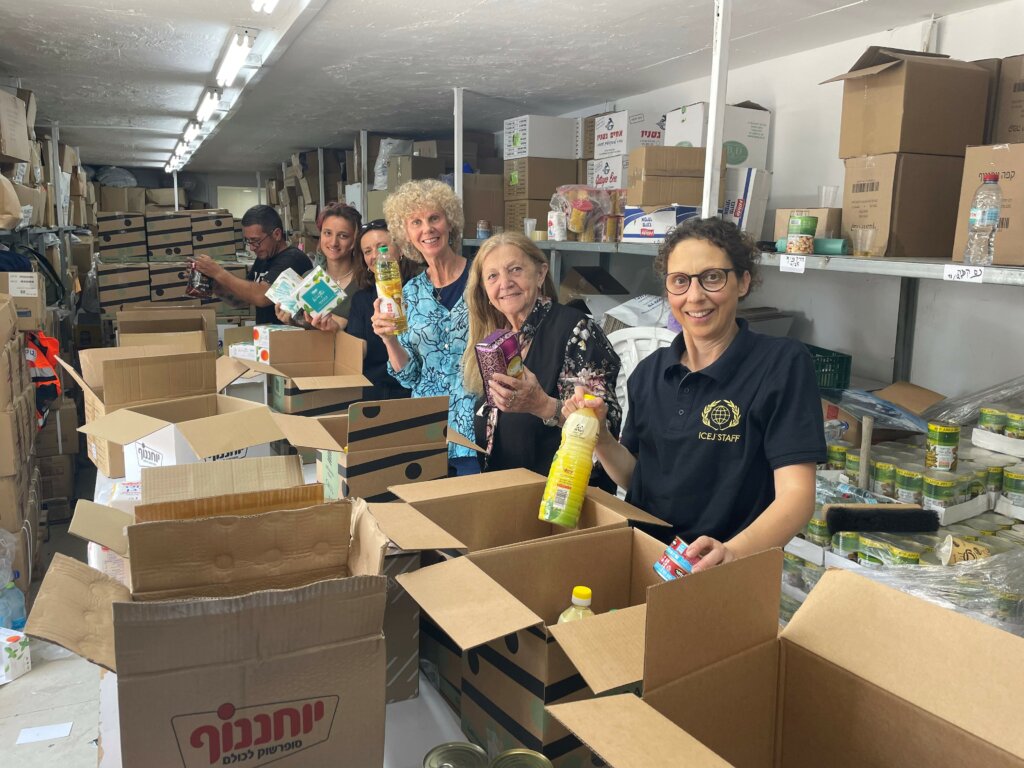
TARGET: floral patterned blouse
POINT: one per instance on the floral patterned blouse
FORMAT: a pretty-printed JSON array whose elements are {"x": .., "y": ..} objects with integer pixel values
[
  {"x": 435, "y": 341},
  {"x": 589, "y": 362}
]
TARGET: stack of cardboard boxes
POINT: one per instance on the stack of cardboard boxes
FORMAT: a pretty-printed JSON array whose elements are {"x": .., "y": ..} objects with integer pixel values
[
  {"x": 25, "y": 195},
  {"x": 541, "y": 154}
]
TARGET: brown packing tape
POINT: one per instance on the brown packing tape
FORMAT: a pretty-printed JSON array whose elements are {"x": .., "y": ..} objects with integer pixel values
[
  {"x": 120, "y": 222},
  {"x": 370, "y": 474}
]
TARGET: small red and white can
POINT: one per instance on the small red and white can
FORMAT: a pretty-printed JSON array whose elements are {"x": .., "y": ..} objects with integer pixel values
[{"x": 674, "y": 564}]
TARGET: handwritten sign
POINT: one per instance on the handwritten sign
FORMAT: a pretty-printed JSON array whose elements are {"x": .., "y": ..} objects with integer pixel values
[
  {"x": 963, "y": 274},
  {"x": 792, "y": 262}
]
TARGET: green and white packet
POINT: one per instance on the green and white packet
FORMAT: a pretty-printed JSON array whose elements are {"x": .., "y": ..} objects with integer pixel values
[
  {"x": 283, "y": 291},
  {"x": 318, "y": 293}
]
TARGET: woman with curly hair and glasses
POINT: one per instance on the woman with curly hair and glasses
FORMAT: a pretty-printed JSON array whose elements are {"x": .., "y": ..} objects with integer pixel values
[
  {"x": 425, "y": 219},
  {"x": 724, "y": 427}
]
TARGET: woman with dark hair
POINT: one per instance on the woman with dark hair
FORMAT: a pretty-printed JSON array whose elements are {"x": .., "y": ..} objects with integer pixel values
[
  {"x": 724, "y": 426},
  {"x": 338, "y": 225}
]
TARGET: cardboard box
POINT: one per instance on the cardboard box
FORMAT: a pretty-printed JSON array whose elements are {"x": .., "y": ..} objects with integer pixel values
[
  {"x": 744, "y": 135},
  {"x": 517, "y": 210},
  {"x": 213, "y": 233},
  {"x": 186, "y": 430},
  {"x": 59, "y": 436},
  {"x": 992, "y": 67},
  {"x": 121, "y": 236},
  {"x": 746, "y": 198},
  {"x": 517, "y": 659},
  {"x": 12, "y": 364},
  {"x": 82, "y": 253},
  {"x": 161, "y": 318},
  {"x": 28, "y": 294},
  {"x": 183, "y": 663},
  {"x": 1008, "y": 126},
  {"x": 907, "y": 101},
  {"x": 226, "y": 483},
  {"x": 536, "y": 178},
  {"x": 1008, "y": 161},
  {"x": 168, "y": 235},
  {"x": 650, "y": 224},
  {"x": 539, "y": 136},
  {"x": 668, "y": 176},
  {"x": 609, "y": 173},
  {"x": 588, "y": 281},
  {"x": 121, "y": 377},
  {"x": 14, "y": 139},
  {"x": 835, "y": 681},
  {"x": 403, "y": 168},
  {"x": 909, "y": 200},
  {"x": 11, "y": 214},
  {"x": 830, "y": 221},
  {"x": 401, "y": 629},
  {"x": 14, "y": 498},
  {"x": 482, "y": 199},
  {"x": 121, "y": 284},
  {"x": 57, "y": 475},
  {"x": 903, "y": 394},
  {"x": 619, "y": 133},
  {"x": 309, "y": 221},
  {"x": 27, "y": 200},
  {"x": 131, "y": 199},
  {"x": 165, "y": 197}
]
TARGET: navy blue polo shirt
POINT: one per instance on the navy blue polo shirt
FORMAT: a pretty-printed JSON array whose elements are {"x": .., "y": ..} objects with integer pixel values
[{"x": 708, "y": 441}]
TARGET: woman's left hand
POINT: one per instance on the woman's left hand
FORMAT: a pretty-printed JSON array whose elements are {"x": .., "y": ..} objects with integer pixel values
[
  {"x": 324, "y": 322},
  {"x": 522, "y": 395},
  {"x": 711, "y": 553}
]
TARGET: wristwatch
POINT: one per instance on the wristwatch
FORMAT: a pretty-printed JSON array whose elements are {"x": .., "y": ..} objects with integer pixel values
[{"x": 553, "y": 421}]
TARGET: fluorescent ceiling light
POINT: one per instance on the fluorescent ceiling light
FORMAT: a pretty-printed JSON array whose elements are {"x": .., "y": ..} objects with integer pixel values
[
  {"x": 179, "y": 150},
  {"x": 191, "y": 132},
  {"x": 238, "y": 51},
  {"x": 209, "y": 105},
  {"x": 267, "y": 6}
]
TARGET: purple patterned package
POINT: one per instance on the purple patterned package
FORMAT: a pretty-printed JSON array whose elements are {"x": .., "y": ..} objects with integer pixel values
[{"x": 499, "y": 353}]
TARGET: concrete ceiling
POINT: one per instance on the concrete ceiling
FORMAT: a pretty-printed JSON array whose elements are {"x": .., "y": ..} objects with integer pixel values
[{"x": 122, "y": 80}]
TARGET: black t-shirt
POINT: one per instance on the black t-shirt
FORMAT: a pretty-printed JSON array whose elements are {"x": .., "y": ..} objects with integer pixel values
[
  {"x": 708, "y": 441},
  {"x": 268, "y": 270},
  {"x": 375, "y": 364}
]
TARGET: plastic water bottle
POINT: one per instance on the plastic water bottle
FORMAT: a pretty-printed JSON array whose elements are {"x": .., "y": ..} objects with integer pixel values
[
  {"x": 6, "y": 619},
  {"x": 570, "y": 470},
  {"x": 389, "y": 287},
  {"x": 580, "y": 608},
  {"x": 15, "y": 600},
  {"x": 984, "y": 221}
]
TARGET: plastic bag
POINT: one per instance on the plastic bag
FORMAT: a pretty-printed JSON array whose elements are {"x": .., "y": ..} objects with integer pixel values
[
  {"x": 592, "y": 215},
  {"x": 8, "y": 547},
  {"x": 964, "y": 410},
  {"x": 112, "y": 176},
  {"x": 90, "y": 299},
  {"x": 388, "y": 147}
]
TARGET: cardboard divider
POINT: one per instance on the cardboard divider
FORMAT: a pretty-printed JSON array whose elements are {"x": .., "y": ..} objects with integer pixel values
[
  {"x": 194, "y": 481},
  {"x": 251, "y": 503}
]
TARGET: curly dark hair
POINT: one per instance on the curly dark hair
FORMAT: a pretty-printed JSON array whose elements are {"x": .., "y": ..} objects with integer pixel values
[{"x": 738, "y": 246}]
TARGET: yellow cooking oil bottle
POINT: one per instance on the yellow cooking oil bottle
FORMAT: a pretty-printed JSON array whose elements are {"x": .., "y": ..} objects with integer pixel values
[
  {"x": 389, "y": 287},
  {"x": 570, "y": 470},
  {"x": 580, "y": 608}
]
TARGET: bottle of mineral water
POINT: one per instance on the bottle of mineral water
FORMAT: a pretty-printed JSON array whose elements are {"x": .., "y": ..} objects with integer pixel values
[
  {"x": 570, "y": 470},
  {"x": 984, "y": 221},
  {"x": 15, "y": 600}
]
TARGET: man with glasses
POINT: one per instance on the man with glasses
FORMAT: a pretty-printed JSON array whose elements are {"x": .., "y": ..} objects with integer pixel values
[{"x": 264, "y": 236}]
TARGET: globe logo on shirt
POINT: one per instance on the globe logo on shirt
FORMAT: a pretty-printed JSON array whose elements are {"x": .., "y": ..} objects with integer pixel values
[{"x": 720, "y": 415}]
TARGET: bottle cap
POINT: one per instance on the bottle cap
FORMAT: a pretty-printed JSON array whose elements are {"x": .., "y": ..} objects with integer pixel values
[
  {"x": 382, "y": 249},
  {"x": 581, "y": 595},
  {"x": 992, "y": 176}
]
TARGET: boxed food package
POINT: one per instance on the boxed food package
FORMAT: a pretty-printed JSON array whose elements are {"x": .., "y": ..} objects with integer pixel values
[
  {"x": 746, "y": 198},
  {"x": 183, "y": 638},
  {"x": 121, "y": 284},
  {"x": 619, "y": 133},
  {"x": 908, "y": 101},
  {"x": 28, "y": 295},
  {"x": 536, "y": 178},
  {"x": 15, "y": 657},
  {"x": 650, "y": 224},
  {"x": 909, "y": 201},
  {"x": 121, "y": 236},
  {"x": 852, "y": 662},
  {"x": 318, "y": 294},
  {"x": 169, "y": 235},
  {"x": 608, "y": 173},
  {"x": 499, "y": 353},
  {"x": 213, "y": 233},
  {"x": 744, "y": 136},
  {"x": 1008, "y": 126},
  {"x": 540, "y": 136},
  {"x": 830, "y": 221},
  {"x": 261, "y": 338},
  {"x": 1008, "y": 161},
  {"x": 668, "y": 176}
]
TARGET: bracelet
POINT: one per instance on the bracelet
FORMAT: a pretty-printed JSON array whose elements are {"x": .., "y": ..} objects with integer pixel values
[{"x": 553, "y": 420}]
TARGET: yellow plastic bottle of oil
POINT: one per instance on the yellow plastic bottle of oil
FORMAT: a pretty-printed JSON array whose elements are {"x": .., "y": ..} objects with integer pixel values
[
  {"x": 570, "y": 470},
  {"x": 389, "y": 287},
  {"x": 580, "y": 608}
]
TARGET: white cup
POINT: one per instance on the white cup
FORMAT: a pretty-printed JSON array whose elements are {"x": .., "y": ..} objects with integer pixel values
[
  {"x": 827, "y": 195},
  {"x": 529, "y": 227}
]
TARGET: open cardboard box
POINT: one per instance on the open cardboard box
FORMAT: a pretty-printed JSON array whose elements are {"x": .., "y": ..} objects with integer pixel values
[
  {"x": 191, "y": 341},
  {"x": 501, "y": 607},
  {"x": 157, "y": 318},
  {"x": 313, "y": 372},
  {"x": 377, "y": 444},
  {"x": 213, "y": 661},
  {"x": 207, "y": 427},
  {"x": 851, "y": 680},
  {"x": 904, "y": 394},
  {"x": 121, "y": 377}
]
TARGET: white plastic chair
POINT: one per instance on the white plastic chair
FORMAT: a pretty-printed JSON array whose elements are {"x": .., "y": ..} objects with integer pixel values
[{"x": 632, "y": 345}]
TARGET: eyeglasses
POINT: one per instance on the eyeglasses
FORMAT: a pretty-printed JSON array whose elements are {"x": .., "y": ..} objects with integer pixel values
[
  {"x": 375, "y": 224},
  {"x": 255, "y": 243},
  {"x": 711, "y": 280}
]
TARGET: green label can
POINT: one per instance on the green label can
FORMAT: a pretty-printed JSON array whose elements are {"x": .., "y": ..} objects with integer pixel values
[
  {"x": 846, "y": 543},
  {"x": 800, "y": 237},
  {"x": 910, "y": 483},
  {"x": 1014, "y": 425},
  {"x": 938, "y": 490},
  {"x": 852, "y": 464},
  {"x": 943, "y": 443},
  {"x": 994, "y": 480},
  {"x": 837, "y": 451},
  {"x": 992, "y": 419},
  {"x": 884, "y": 478},
  {"x": 1013, "y": 485}
]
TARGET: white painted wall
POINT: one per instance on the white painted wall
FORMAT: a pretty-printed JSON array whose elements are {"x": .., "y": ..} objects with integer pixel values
[{"x": 964, "y": 333}]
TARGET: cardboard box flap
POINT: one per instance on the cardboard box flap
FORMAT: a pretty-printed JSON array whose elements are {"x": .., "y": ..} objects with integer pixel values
[
  {"x": 620, "y": 507},
  {"x": 410, "y": 530},
  {"x": 184, "y": 341},
  {"x": 607, "y": 649},
  {"x": 875, "y": 632},
  {"x": 458, "y": 439},
  {"x": 452, "y": 487},
  {"x": 122, "y": 427},
  {"x": 877, "y": 58},
  {"x": 73, "y": 610},
  {"x": 101, "y": 524},
  {"x": 163, "y": 637},
  {"x": 866, "y": 72},
  {"x": 627, "y": 732},
  {"x": 910, "y": 396},
  {"x": 239, "y": 554},
  {"x": 75, "y": 376},
  {"x": 228, "y": 370},
  {"x": 253, "y": 503},
  {"x": 306, "y": 432},
  {"x": 230, "y": 432},
  {"x": 342, "y": 381},
  {"x": 154, "y": 378},
  {"x": 390, "y": 423},
  {"x": 738, "y": 606},
  {"x": 220, "y": 478},
  {"x": 467, "y": 603},
  {"x": 369, "y": 542}
]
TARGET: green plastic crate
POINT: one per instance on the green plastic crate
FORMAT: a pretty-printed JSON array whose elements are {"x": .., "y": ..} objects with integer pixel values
[{"x": 832, "y": 369}]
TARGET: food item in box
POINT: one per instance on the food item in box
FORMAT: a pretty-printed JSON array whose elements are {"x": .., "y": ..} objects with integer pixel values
[
  {"x": 197, "y": 285},
  {"x": 674, "y": 563},
  {"x": 800, "y": 238},
  {"x": 456, "y": 753},
  {"x": 499, "y": 353},
  {"x": 1013, "y": 485},
  {"x": 910, "y": 483},
  {"x": 282, "y": 290},
  {"x": 15, "y": 659},
  {"x": 318, "y": 293},
  {"x": 837, "y": 450},
  {"x": 243, "y": 351},
  {"x": 580, "y": 608},
  {"x": 261, "y": 338},
  {"x": 992, "y": 418},
  {"x": 938, "y": 491},
  {"x": 1014, "y": 425},
  {"x": 943, "y": 442},
  {"x": 954, "y": 550}
]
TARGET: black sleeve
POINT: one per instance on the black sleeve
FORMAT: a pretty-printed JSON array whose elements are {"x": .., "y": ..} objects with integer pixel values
[
  {"x": 293, "y": 258},
  {"x": 359, "y": 315},
  {"x": 793, "y": 432}
]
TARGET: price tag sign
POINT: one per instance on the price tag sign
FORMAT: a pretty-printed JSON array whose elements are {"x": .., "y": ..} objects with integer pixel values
[
  {"x": 792, "y": 262},
  {"x": 963, "y": 274},
  {"x": 22, "y": 284}
]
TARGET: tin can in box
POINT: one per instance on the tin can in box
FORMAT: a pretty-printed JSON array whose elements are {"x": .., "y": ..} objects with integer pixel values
[
  {"x": 456, "y": 754},
  {"x": 674, "y": 564},
  {"x": 521, "y": 758}
]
